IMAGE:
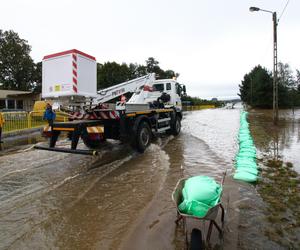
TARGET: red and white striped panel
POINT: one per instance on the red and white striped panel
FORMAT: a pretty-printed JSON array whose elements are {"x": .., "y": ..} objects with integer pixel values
[
  {"x": 74, "y": 73},
  {"x": 96, "y": 115}
]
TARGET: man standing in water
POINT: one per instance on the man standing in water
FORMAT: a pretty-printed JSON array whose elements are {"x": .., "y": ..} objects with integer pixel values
[
  {"x": 2, "y": 121},
  {"x": 49, "y": 114}
]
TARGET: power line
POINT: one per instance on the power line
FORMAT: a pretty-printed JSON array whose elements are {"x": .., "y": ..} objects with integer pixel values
[{"x": 283, "y": 10}]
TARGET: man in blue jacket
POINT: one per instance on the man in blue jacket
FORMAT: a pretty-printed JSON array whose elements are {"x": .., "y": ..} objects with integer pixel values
[{"x": 49, "y": 114}]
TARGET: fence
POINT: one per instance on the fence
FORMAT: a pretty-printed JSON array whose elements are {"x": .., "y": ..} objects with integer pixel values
[
  {"x": 15, "y": 121},
  {"x": 192, "y": 108}
]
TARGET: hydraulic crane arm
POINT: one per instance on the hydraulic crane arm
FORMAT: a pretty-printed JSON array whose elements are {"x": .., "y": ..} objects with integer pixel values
[{"x": 110, "y": 93}]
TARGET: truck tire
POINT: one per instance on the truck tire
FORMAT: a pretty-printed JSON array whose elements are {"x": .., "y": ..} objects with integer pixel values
[
  {"x": 176, "y": 126},
  {"x": 143, "y": 137},
  {"x": 91, "y": 143}
]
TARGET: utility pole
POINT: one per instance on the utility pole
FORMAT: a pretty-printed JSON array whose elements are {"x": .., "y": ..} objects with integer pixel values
[{"x": 275, "y": 82}]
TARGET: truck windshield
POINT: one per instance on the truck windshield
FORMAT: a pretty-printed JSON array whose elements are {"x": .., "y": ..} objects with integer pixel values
[{"x": 158, "y": 87}]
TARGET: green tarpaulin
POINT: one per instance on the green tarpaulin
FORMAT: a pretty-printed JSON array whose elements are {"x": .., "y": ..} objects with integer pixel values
[{"x": 200, "y": 193}]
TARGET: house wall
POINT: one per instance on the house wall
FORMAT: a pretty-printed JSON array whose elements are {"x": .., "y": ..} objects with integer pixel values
[{"x": 23, "y": 102}]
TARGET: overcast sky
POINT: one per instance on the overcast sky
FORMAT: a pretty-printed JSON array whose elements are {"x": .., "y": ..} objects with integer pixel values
[{"x": 211, "y": 43}]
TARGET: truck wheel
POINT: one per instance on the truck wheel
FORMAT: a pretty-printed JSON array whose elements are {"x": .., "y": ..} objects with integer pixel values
[
  {"x": 91, "y": 141},
  {"x": 176, "y": 126},
  {"x": 143, "y": 137}
]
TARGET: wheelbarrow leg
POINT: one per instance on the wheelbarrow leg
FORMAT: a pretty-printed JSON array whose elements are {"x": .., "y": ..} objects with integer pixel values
[
  {"x": 222, "y": 215},
  {"x": 209, "y": 231},
  {"x": 179, "y": 218},
  {"x": 211, "y": 224},
  {"x": 217, "y": 226}
]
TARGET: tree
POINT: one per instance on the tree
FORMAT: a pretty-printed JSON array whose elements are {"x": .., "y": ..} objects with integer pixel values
[
  {"x": 141, "y": 70},
  {"x": 257, "y": 88},
  {"x": 37, "y": 78},
  {"x": 285, "y": 75},
  {"x": 111, "y": 73},
  {"x": 297, "y": 95},
  {"x": 152, "y": 66},
  {"x": 194, "y": 101},
  {"x": 287, "y": 86},
  {"x": 298, "y": 80},
  {"x": 16, "y": 66}
]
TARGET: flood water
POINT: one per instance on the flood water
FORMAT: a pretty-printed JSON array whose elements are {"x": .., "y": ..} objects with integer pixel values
[
  {"x": 122, "y": 199},
  {"x": 20, "y": 142}
]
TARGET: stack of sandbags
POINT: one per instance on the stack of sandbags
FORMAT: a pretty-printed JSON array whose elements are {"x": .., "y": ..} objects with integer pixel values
[
  {"x": 246, "y": 167},
  {"x": 200, "y": 193}
]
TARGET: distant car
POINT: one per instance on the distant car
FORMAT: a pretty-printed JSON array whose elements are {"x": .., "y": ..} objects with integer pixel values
[{"x": 229, "y": 105}]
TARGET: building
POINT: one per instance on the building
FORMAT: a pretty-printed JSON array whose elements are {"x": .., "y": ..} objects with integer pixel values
[{"x": 17, "y": 100}]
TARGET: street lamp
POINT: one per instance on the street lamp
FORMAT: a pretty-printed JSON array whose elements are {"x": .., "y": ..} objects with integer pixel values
[{"x": 275, "y": 84}]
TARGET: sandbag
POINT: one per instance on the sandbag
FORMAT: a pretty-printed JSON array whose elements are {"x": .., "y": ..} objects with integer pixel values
[
  {"x": 250, "y": 170},
  {"x": 194, "y": 208},
  {"x": 252, "y": 150},
  {"x": 200, "y": 193},
  {"x": 245, "y": 176},
  {"x": 245, "y": 160},
  {"x": 247, "y": 154},
  {"x": 246, "y": 164}
]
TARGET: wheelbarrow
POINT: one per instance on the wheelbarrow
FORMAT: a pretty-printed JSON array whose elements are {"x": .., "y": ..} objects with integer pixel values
[{"x": 210, "y": 216}]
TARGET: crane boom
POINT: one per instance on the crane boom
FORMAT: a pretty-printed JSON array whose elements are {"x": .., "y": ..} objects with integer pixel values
[{"x": 112, "y": 92}]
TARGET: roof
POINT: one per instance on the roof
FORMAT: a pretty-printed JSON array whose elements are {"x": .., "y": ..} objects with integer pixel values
[
  {"x": 72, "y": 51},
  {"x": 5, "y": 93}
]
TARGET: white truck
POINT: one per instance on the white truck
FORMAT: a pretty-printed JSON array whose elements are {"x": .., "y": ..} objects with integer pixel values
[{"x": 154, "y": 107}]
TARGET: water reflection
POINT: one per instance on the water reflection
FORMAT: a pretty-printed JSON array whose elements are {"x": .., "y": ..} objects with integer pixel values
[
  {"x": 279, "y": 142},
  {"x": 14, "y": 143},
  {"x": 276, "y": 214}
]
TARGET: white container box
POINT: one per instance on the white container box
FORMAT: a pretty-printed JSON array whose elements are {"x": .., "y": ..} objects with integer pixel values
[{"x": 69, "y": 73}]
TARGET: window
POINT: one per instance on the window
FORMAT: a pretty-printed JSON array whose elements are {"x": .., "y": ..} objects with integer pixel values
[
  {"x": 178, "y": 89},
  {"x": 2, "y": 104},
  {"x": 168, "y": 86},
  {"x": 158, "y": 87},
  {"x": 11, "y": 104},
  {"x": 20, "y": 104}
]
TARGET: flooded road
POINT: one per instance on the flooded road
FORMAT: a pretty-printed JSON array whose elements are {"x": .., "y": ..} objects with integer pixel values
[
  {"x": 122, "y": 199},
  {"x": 20, "y": 142}
]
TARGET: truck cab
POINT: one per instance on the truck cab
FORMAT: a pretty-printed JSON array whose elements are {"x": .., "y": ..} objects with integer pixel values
[{"x": 152, "y": 93}]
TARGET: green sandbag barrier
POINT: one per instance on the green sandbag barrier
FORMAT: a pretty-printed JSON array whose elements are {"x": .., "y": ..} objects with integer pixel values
[
  {"x": 245, "y": 161},
  {"x": 242, "y": 169},
  {"x": 245, "y": 176},
  {"x": 200, "y": 193}
]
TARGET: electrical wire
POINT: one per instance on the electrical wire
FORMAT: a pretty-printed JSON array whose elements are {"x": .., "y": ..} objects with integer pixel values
[{"x": 283, "y": 10}]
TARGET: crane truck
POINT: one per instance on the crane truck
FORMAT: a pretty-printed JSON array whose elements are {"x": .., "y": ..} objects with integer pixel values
[{"x": 69, "y": 80}]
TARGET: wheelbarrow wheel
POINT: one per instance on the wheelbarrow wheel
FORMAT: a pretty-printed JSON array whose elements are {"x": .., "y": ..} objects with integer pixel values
[{"x": 196, "y": 240}]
